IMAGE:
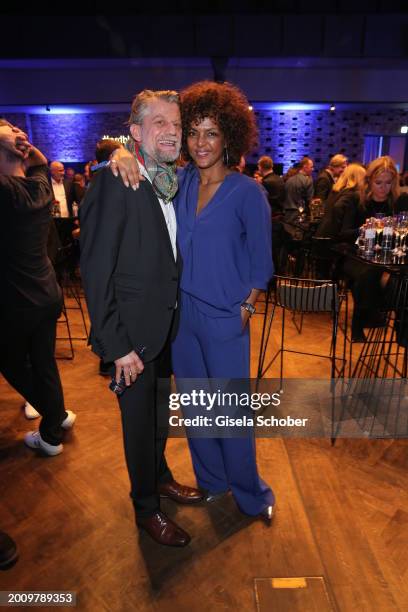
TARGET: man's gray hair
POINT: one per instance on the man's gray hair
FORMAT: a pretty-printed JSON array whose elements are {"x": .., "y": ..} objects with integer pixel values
[
  {"x": 337, "y": 160},
  {"x": 141, "y": 101}
]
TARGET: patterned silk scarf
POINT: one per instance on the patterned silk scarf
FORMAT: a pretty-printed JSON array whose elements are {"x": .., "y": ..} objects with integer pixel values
[{"x": 163, "y": 175}]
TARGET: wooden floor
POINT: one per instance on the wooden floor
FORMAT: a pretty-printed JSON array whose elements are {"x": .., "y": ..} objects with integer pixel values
[{"x": 342, "y": 514}]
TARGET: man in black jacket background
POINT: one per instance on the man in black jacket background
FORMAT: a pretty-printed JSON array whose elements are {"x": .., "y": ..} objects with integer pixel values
[
  {"x": 273, "y": 184},
  {"x": 131, "y": 268},
  {"x": 327, "y": 177}
]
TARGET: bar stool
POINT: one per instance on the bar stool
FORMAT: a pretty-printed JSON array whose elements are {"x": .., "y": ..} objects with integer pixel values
[
  {"x": 71, "y": 286},
  {"x": 301, "y": 296}
]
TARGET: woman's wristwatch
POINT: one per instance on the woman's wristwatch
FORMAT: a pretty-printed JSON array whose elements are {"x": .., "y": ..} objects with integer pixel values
[{"x": 249, "y": 308}]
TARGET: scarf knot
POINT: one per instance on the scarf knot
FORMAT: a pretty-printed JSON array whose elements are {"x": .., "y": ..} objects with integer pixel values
[{"x": 162, "y": 175}]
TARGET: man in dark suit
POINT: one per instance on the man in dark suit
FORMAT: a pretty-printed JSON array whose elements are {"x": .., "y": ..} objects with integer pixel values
[
  {"x": 130, "y": 268},
  {"x": 62, "y": 189},
  {"x": 273, "y": 184},
  {"x": 65, "y": 193},
  {"x": 327, "y": 177}
]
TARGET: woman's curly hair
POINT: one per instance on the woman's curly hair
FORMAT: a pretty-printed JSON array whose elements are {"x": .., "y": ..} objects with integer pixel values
[{"x": 228, "y": 107}]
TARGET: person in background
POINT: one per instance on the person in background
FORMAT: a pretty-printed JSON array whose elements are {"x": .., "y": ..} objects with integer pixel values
[
  {"x": 273, "y": 184},
  {"x": 404, "y": 182},
  {"x": 299, "y": 190},
  {"x": 87, "y": 172},
  {"x": 382, "y": 194},
  {"x": 30, "y": 301},
  {"x": 79, "y": 179},
  {"x": 369, "y": 284},
  {"x": 8, "y": 548},
  {"x": 69, "y": 174},
  {"x": 78, "y": 192},
  {"x": 104, "y": 149},
  {"x": 291, "y": 172},
  {"x": 257, "y": 176},
  {"x": 342, "y": 211},
  {"x": 61, "y": 189},
  {"x": 328, "y": 177}
]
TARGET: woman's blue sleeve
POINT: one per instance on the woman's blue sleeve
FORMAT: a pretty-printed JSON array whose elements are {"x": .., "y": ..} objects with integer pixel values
[{"x": 256, "y": 215}]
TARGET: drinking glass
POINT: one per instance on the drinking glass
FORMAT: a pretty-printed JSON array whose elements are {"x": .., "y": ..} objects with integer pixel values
[
  {"x": 403, "y": 234},
  {"x": 379, "y": 226},
  {"x": 397, "y": 233}
]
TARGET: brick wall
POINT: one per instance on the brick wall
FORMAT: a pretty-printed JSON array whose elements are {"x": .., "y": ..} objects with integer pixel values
[
  {"x": 284, "y": 135},
  {"x": 73, "y": 137},
  {"x": 288, "y": 135}
]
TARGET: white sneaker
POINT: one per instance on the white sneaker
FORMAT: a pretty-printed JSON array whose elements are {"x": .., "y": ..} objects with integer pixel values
[
  {"x": 34, "y": 440},
  {"x": 69, "y": 420},
  {"x": 30, "y": 412}
]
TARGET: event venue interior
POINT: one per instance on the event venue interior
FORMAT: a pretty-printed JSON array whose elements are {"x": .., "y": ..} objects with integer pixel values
[{"x": 324, "y": 81}]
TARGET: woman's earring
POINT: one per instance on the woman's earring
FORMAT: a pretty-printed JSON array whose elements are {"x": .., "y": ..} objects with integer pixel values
[{"x": 226, "y": 159}]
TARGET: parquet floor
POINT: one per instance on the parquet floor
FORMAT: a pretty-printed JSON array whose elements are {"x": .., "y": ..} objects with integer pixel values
[{"x": 342, "y": 513}]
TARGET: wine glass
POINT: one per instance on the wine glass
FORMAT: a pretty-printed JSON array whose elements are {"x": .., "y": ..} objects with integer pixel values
[
  {"x": 397, "y": 233},
  {"x": 403, "y": 234}
]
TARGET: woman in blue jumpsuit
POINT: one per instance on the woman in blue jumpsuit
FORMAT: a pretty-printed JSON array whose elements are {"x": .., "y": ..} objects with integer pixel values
[{"x": 224, "y": 234}]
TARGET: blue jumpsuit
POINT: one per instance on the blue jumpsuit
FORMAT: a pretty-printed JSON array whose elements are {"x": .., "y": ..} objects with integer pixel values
[{"x": 226, "y": 252}]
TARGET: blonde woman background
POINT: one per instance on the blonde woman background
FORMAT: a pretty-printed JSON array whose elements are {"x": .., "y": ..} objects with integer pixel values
[
  {"x": 341, "y": 217},
  {"x": 382, "y": 194}
]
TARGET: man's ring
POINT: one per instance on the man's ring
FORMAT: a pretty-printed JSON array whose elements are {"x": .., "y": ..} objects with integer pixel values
[{"x": 130, "y": 373}]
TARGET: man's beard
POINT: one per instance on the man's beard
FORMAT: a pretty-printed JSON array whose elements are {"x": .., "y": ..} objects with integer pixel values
[{"x": 166, "y": 157}]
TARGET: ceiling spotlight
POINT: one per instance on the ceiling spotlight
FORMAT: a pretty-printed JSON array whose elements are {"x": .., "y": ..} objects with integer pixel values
[
  {"x": 404, "y": 129},
  {"x": 332, "y": 108},
  {"x": 48, "y": 108}
]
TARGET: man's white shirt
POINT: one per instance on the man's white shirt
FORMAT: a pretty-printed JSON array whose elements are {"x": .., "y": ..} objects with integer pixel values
[
  {"x": 60, "y": 196},
  {"x": 168, "y": 213}
]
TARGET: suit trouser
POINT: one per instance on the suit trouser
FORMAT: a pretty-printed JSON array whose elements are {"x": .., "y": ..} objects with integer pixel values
[
  {"x": 216, "y": 347},
  {"x": 27, "y": 362},
  {"x": 145, "y": 419}
]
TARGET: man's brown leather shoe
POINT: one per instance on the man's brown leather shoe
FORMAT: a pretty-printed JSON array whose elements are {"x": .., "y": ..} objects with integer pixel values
[
  {"x": 180, "y": 493},
  {"x": 163, "y": 530}
]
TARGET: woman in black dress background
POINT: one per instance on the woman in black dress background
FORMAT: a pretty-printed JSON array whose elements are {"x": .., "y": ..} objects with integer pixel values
[{"x": 341, "y": 217}]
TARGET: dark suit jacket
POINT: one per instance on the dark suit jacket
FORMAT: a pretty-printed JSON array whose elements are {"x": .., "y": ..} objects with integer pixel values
[
  {"x": 76, "y": 193},
  {"x": 323, "y": 186},
  {"x": 341, "y": 216},
  {"x": 275, "y": 187},
  {"x": 129, "y": 273}
]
